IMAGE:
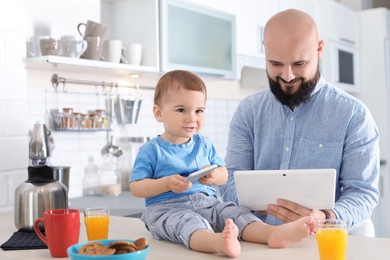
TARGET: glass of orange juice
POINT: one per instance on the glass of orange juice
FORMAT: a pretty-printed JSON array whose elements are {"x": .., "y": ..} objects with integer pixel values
[
  {"x": 96, "y": 222},
  {"x": 332, "y": 236}
]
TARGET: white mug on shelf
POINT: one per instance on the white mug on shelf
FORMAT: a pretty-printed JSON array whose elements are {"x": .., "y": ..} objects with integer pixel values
[
  {"x": 112, "y": 51},
  {"x": 132, "y": 53}
]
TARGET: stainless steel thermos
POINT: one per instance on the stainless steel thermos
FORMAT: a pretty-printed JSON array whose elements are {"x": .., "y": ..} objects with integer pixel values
[{"x": 40, "y": 192}]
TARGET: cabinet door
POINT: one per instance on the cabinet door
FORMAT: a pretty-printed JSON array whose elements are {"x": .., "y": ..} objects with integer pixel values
[
  {"x": 247, "y": 14},
  {"x": 247, "y": 19},
  {"x": 338, "y": 23},
  {"x": 133, "y": 21}
]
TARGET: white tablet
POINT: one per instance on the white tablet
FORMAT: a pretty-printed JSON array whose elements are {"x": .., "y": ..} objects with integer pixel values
[
  {"x": 200, "y": 173},
  {"x": 311, "y": 188}
]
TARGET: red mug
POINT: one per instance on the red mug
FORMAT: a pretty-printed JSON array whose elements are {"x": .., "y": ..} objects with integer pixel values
[{"x": 62, "y": 230}]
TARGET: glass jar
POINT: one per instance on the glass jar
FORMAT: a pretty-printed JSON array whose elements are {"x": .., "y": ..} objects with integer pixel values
[
  {"x": 77, "y": 120},
  {"x": 110, "y": 178},
  {"x": 84, "y": 121},
  {"x": 67, "y": 121},
  {"x": 93, "y": 120},
  {"x": 91, "y": 181},
  {"x": 102, "y": 121}
]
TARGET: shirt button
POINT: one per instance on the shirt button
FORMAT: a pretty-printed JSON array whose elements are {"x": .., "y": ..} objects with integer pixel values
[
  {"x": 291, "y": 118},
  {"x": 287, "y": 149},
  {"x": 320, "y": 145}
]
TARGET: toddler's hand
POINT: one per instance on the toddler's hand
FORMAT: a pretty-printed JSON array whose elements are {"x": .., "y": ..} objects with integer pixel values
[
  {"x": 208, "y": 179},
  {"x": 177, "y": 184}
]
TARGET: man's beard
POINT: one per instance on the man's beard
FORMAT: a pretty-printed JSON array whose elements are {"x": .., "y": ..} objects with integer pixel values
[{"x": 303, "y": 93}]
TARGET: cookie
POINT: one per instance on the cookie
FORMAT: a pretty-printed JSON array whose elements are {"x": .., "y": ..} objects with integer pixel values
[
  {"x": 92, "y": 248},
  {"x": 123, "y": 247},
  {"x": 109, "y": 251},
  {"x": 141, "y": 243}
]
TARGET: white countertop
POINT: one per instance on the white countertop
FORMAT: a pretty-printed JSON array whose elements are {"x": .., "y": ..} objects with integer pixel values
[
  {"x": 123, "y": 205},
  {"x": 132, "y": 228}
]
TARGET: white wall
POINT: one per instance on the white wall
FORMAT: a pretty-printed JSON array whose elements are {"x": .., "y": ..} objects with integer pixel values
[{"x": 13, "y": 100}]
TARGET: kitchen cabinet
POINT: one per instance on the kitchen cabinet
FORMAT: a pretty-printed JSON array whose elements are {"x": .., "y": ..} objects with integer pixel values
[
  {"x": 197, "y": 38},
  {"x": 248, "y": 34},
  {"x": 375, "y": 93},
  {"x": 338, "y": 22},
  {"x": 153, "y": 24},
  {"x": 134, "y": 21},
  {"x": 339, "y": 27}
]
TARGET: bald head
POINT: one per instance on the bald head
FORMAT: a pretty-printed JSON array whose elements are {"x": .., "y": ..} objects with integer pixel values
[
  {"x": 290, "y": 22},
  {"x": 291, "y": 34}
]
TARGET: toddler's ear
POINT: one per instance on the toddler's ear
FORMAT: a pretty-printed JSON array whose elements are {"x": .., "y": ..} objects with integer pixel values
[{"x": 157, "y": 113}]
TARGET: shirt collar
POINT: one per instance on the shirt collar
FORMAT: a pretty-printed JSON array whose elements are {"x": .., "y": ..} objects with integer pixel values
[{"x": 319, "y": 85}]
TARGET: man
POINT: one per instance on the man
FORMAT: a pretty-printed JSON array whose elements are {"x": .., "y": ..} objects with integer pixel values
[{"x": 302, "y": 121}]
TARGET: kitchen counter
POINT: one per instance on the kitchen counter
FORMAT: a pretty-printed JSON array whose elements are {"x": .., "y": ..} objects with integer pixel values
[
  {"x": 123, "y": 205},
  {"x": 132, "y": 228}
]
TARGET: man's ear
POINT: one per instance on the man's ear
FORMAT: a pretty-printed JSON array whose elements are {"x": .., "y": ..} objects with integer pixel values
[
  {"x": 320, "y": 48},
  {"x": 157, "y": 113}
]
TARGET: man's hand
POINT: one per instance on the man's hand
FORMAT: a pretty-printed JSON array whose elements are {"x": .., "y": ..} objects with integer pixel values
[{"x": 288, "y": 211}]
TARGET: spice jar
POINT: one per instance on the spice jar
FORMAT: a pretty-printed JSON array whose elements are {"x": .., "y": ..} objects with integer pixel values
[
  {"x": 102, "y": 121},
  {"x": 67, "y": 120},
  {"x": 76, "y": 118},
  {"x": 93, "y": 120},
  {"x": 84, "y": 121}
]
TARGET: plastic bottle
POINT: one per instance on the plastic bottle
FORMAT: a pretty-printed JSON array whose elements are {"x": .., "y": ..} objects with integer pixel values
[{"x": 91, "y": 179}]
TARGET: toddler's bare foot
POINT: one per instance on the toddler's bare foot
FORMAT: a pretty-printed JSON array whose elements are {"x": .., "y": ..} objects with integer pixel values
[
  {"x": 292, "y": 232},
  {"x": 229, "y": 241}
]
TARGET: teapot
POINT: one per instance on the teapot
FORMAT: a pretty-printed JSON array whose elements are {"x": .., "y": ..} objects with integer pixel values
[{"x": 40, "y": 192}]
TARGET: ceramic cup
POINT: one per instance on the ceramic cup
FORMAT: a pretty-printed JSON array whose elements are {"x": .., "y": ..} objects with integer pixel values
[
  {"x": 94, "y": 49},
  {"x": 33, "y": 46},
  {"x": 132, "y": 53},
  {"x": 112, "y": 51},
  {"x": 73, "y": 46},
  {"x": 332, "y": 236},
  {"x": 62, "y": 230},
  {"x": 92, "y": 29},
  {"x": 96, "y": 222},
  {"x": 51, "y": 46}
]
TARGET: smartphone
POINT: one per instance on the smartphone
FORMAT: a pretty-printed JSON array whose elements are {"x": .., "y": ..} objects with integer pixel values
[{"x": 200, "y": 173}]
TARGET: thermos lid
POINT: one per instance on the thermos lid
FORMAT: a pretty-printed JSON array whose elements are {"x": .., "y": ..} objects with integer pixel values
[{"x": 40, "y": 174}]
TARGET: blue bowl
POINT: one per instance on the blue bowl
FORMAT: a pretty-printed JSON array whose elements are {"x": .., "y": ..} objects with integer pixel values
[{"x": 138, "y": 255}]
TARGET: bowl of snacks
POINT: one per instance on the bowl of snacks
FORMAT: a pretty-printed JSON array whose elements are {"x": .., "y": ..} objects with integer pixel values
[{"x": 118, "y": 249}]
